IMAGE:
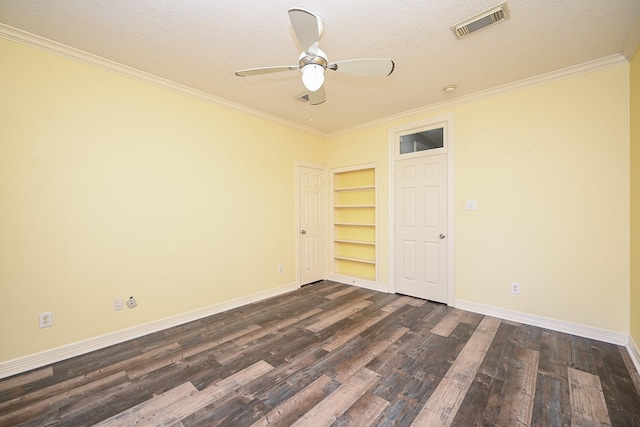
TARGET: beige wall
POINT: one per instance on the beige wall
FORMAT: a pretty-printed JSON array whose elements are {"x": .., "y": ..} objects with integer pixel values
[
  {"x": 549, "y": 168},
  {"x": 635, "y": 198},
  {"x": 111, "y": 188}
]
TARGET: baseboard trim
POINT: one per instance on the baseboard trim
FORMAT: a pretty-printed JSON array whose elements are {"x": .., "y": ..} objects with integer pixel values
[
  {"x": 599, "y": 334},
  {"x": 47, "y": 357},
  {"x": 367, "y": 284},
  {"x": 634, "y": 352}
]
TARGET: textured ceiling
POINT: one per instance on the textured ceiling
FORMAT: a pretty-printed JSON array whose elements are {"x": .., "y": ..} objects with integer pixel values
[{"x": 200, "y": 44}]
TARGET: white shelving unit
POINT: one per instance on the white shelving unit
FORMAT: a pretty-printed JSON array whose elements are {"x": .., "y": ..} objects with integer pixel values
[{"x": 354, "y": 220}]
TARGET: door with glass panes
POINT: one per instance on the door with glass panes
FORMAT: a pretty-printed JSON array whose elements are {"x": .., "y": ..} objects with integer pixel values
[{"x": 420, "y": 214}]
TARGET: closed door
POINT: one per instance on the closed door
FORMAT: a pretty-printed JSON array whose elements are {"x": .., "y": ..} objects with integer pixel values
[
  {"x": 421, "y": 264},
  {"x": 311, "y": 222}
]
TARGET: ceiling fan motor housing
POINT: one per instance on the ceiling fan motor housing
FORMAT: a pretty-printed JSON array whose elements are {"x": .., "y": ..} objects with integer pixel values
[{"x": 311, "y": 58}]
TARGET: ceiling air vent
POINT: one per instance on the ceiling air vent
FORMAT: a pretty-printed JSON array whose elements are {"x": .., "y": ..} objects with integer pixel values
[{"x": 481, "y": 20}]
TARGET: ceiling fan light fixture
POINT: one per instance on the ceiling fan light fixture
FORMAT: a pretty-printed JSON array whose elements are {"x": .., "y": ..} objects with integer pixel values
[
  {"x": 313, "y": 76},
  {"x": 313, "y": 62}
]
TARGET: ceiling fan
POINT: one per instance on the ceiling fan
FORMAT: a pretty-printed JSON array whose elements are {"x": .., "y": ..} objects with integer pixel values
[{"x": 313, "y": 62}]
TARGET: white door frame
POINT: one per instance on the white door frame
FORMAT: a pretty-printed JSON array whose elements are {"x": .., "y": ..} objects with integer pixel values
[
  {"x": 324, "y": 169},
  {"x": 394, "y": 137}
]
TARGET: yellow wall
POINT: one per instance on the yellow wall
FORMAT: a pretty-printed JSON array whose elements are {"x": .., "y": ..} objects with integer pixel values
[
  {"x": 635, "y": 197},
  {"x": 549, "y": 168},
  {"x": 111, "y": 188}
]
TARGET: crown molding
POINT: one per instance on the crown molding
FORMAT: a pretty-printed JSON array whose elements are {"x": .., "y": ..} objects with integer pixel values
[
  {"x": 50, "y": 46},
  {"x": 564, "y": 73},
  {"x": 38, "y": 42}
]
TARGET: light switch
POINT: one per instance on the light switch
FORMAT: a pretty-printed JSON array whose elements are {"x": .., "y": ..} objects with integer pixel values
[{"x": 471, "y": 205}]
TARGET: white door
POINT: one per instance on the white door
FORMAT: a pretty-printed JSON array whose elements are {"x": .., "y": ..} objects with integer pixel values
[
  {"x": 421, "y": 251},
  {"x": 311, "y": 233}
]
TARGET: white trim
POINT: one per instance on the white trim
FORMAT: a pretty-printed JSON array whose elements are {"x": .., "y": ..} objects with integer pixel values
[
  {"x": 362, "y": 283},
  {"x": 592, "y": 332},
  {"x": 324, "y": 169},
  {"x": 564, "y": 73},
  {"x": 32, "y": 40},
  {"x": 391, "y": 244},
  {"x": 47, "y": 357},
  {"x": 377, "y": 219},
  {"x": 446, "y": 120},
  {"x": 634, "y": 352},
  {"x": 430, "y": 123},
  {"x": 451, "y": 220}
]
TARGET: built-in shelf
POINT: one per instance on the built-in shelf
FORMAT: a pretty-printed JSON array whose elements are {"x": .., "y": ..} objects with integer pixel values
[
  {"x": 359, "y": 188},
  {"x": 354, "y": 217},
  {"x": 357, "y": 242},
  {"x": 367, "y": 261}
]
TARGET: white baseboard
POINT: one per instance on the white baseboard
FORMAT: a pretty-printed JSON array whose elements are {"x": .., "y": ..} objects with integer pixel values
[
  {"x": 47, "y": 357},
  {"x": 599, "y": 334},
  {"x": 634, "y": 352},
  {"x": 367, "y": 284}
]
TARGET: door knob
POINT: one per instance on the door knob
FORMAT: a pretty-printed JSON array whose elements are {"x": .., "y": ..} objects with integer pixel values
[
  {"x": 442, "y": 236},
  {"x": 303, "y": 232}
]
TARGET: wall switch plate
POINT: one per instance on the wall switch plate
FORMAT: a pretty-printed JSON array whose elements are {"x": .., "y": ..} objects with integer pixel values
[
  {"x": 117, "y": 304},
  {"x": 515, "y": 288},
  {"x": 46, "y": 319},
  {"x": 131, "y": 302},
  {"x": 471, "y": 205}
]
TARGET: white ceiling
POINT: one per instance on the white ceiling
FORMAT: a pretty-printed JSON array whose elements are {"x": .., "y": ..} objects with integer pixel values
[{"x": 200, "y": 44}]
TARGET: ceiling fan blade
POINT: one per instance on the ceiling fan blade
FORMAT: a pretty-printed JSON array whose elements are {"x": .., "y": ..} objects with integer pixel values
[
  {"x": 308, "y": 28},
  {"x": 265, "y": 70},
  {"x": 317, "y": 97},
  {"x": 366, "y": 67}
]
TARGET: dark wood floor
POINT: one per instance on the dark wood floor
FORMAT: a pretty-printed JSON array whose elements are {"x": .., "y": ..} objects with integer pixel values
[{"x": 330, "y": 354}]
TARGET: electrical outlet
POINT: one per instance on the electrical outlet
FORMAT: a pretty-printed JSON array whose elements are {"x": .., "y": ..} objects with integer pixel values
[
  {"x": 117, "y": 304},
  {"x": 280, "y": 269},
  {"x": 46, "y": 319},
  {"x": 131, "y": 302},
  {"x": 515, "y": 288}
]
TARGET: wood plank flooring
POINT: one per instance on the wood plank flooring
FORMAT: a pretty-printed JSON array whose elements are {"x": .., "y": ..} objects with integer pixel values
[{"x": 333, "y": 355}]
